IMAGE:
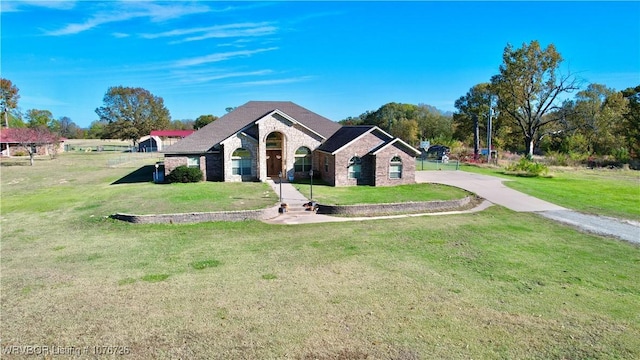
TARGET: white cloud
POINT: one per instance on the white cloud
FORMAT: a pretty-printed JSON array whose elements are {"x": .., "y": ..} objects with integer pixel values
[
  {"x": 13, "y": 6},
  {"x": 219, "y": 57},
  {"x": 201, "y": 78},
  {"x": 276, "y": 81},
  {"x": 217, "y": 31},
  {"x": 130, "y": 10}
]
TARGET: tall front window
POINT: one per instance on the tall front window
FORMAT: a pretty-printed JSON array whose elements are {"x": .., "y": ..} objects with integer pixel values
[
  {"x": 303, "y": 160},
  {"x": 354, "y": 167},
  {"x": 395, "y": 168},
  {"x": 241, "y": 162}
]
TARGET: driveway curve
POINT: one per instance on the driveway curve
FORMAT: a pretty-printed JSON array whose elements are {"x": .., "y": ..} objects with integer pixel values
[{"x": 492, "y": 189}]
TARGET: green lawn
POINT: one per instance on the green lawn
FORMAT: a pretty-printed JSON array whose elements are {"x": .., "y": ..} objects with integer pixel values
[
  {"x": 350, "y": 195},
  {"x": 600, "y": 191},
  {"x": 494, "y": 284}
]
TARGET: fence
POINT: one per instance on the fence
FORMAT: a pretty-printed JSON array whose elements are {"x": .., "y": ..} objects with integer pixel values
[
  {"x": 424, "y": 164},
  {"x": 98, "y": 148},
  {"x": 129, "y": 157}
]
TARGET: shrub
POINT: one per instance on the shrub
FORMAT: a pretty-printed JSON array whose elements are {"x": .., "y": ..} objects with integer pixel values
[
  {"x": 185, "y": 174},
  {"x": 527, "y": 167}
]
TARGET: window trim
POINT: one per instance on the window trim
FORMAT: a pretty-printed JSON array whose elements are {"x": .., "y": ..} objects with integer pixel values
[
  {"x": 306, "y": 158},
  {"x": 354, "y": 170},
  {"x": 193, "y": 161},
  {"x": 241, "y": 166},
  {"x": 395, "y": 161}
]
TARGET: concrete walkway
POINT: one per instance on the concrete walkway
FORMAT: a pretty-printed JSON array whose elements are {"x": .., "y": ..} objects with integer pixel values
[{"x": 297, "y": 215}]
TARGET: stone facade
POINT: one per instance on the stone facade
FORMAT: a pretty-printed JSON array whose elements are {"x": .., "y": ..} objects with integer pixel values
[{"x": 294, "y": 137}]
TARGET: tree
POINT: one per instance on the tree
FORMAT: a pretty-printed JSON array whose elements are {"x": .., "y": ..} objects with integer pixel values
[
  {"x": 96, "y": 129},
  {"x": 631, "y": 124},
  {"x": 32, "y": 138},
  {"x": 68, "y": 128},
  {"x": 474, "y": 104},
  {"x": 528, "y": 87},
  {"x": 8, "y": 99},
  {"x": 40, "y": 119},
  {"x": 432, "y": 124},
  {"x": 203, "y": 120},
  {"x": 600, "y": 112},
  {"x": 131, "y": 113}
]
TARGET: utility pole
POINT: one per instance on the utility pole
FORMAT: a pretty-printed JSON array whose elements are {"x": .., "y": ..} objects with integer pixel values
[
  {"x": 476, "y": 138},
  {"x": 489, "y": 132},
  {"x": 6, "y": 124}
]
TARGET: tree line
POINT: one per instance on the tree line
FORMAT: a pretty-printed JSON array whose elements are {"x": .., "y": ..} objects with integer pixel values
[
  {"x": 530, "y": 110},
  {"x": 527, "y": 104},
  {"x": 127, "y": 114}
]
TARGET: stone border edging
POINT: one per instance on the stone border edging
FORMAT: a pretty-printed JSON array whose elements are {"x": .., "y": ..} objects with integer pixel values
[
  {"x": 394, "y": 208},
  {"x": 196, "y": 217},
  {"x": 272, "y": 212}
]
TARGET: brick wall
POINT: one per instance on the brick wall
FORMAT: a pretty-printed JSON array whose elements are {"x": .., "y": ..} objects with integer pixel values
[
  {"x": 173, "y": 161},
  {"x": 360, "y": 148},
  {"x": 327, "y": 175},
  {"x": 397, "y": 208},
  {"x": 382, "y": 162}
]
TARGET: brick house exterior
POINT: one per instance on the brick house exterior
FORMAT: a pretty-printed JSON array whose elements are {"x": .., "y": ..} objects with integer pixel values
[
  {"x": 266, "y": 139},
  {"x": 381, "y": 159}
]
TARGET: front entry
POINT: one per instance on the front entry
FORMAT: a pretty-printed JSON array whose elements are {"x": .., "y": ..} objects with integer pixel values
[
  {"x": 274, "y": 163},
  {"x": 274, "y": 146}
]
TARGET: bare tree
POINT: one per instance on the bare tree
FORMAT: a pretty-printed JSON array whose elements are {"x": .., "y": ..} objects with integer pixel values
[
  {"x": 529, "y": 89},
  {"x": 31, "y": 139}
]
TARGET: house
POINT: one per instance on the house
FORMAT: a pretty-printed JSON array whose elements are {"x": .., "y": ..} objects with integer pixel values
[
  {"x": 13, "y": 142},
  {"x": 160, "y": 139},
  {"x": 272, "y": 139}
]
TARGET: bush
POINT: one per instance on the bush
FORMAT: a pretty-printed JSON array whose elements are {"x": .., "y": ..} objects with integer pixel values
[
  {"x": 527, "y": 167},
  {"x": 185, "y": 174}
]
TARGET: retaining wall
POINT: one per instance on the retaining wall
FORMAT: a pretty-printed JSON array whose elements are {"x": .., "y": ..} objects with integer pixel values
[
  {"x": 395, "y": 208},
  {"x": 197, "y": 217},
  {"x": 264, "y": 214}
]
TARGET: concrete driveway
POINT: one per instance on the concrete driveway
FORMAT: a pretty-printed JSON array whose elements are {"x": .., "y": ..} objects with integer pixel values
[
  {"x": 492, "y": 189},
  {"x": 488, "y": 187}
]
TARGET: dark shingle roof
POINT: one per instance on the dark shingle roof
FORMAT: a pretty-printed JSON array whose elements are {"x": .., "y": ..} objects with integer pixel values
[
  {"x": 344, "y": 136},
  {"x": 229, "y": 124}
]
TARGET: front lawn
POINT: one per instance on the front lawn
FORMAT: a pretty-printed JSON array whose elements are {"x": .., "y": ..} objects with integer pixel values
[
  {"x": 493, "y": 284},
  {"x": 351, "y": 195},
  {"x": 599, "y": 191}
]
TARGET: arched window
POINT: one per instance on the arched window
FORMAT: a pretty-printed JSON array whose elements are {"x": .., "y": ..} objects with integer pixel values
[
  {"x": 395, "y": 168},
  {"x": 303, "y": 160},
  {"x": 241, "y": 162},
  {"x": 354, "y": 168}
]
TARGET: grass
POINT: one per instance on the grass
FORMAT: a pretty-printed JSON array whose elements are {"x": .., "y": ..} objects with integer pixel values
[
  {"x": 203, "y": 264},
  {"x": 89, "y": 186},
  {"x": 494, "y": 284},
  {"x": 350, "y": 195},
  {"x": 599, "y": 191}
]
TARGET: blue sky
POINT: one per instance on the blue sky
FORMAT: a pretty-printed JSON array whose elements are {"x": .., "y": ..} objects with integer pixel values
[{"x": 338, "y": 59}]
